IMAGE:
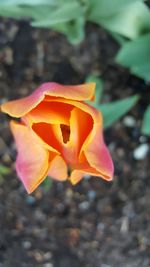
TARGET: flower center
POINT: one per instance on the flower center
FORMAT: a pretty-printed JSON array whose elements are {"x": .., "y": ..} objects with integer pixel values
[{"x": 65, "y": 129}]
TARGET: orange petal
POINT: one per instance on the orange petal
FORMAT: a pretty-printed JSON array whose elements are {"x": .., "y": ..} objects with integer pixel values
[
  {"x": 80, "y": 126},
  {"x": 76, "y": 176},
  {"x": 50, "y": 112},
  {"x": 82, "y": 169},
  {"x": 98, "y": 155},
  {"x": 81, "y": 105},
  {"x": 94, "y": 148},
  {"x": 50, "y": 135},
  {"x": 58, "y": 169},
  {"x": 32, "y": 163},
  {"x": 18, "y": 108}
]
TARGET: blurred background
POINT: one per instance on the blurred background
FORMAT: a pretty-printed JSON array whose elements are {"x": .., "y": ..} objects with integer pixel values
[{"x": 96, "y": 223}]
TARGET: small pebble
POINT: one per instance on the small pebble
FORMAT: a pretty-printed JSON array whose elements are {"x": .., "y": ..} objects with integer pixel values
[
  {"x": 84, "y": 205},
  {"x": 40, "y": 216},
  {"x": 69, "y": 193},
  {"x": 112, "y": 147},
  {"x": 48, "y": 265},
  {"x": 8, "y": 56},
  {"x": 141, "y": 152},
  {"x": 143, "y": 139},
  {"x": 124, "y": 225},
  {"x": 27, "y": 244},
  {"x": 128, "y": 210},
  {"x": 101, "y": 227},
  {"x": 129, "y": 121},
  {"x": 91, "y": 195},
  {"x": 60, "y": 207},
  {"x": 47, "y": 256},
  {"x": 38, "y": 256},
  {"x": 30, "y": 200}
]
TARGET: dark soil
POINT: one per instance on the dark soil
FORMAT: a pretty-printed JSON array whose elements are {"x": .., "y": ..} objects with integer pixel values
[{"x": 93, "y": 224}]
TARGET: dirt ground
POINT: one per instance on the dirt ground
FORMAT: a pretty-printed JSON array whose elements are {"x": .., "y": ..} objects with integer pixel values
[{"x": 93, "y": 224}]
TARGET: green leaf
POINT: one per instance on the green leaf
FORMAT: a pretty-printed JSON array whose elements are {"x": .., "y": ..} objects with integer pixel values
[
  {"x": 38, "y": 12},
  {"x": 11, "y": 11},
  {"x": 65, "y": 17},
  {"x": 44, "y": 11},
  {"x": 129, "y": 22},
  {"x": 115, "y": 110},
  {"x": 142, "y": 71},
  {"x": 74, "y": 30},
  {"x": 99, "y": 87},
  {"x": 136, "y": 52},
  {"x": 64, "y": 13},
  {"x": 120, "y": 39},
  {"x": 105, "y": 8},
  {"x": 146, "y": 122},
  {"x": 4, "y": 170},
  {"x": 26, "y": 2},
  {"x": 136, "y": 55}
]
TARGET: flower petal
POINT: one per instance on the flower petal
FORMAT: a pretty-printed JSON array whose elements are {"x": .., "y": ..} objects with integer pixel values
[
  {"x": 18, "y": 108},
  {"x": 80, "y": 126},
  {"x": 32, "y": 163},
  {"x": 81, "y": 170},
  {"x": 76, "y": 176},
  {"x": 81, "y": 105},
  {"x": 94, "y": 148},
  {"x": 50, "y": 135},
  {"x": 98, "y": 155},
  {"x": 58, "y": 169},
  {"x": 50, "y": 112}
]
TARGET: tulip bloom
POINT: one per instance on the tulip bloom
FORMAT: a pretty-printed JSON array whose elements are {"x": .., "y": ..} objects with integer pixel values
[{"x": 58, "y": 131}]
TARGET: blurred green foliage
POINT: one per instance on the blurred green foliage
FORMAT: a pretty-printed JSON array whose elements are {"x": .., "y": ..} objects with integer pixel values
[
  {"x": 3, "y": 171},
  {"x": 136, "y": 56},
  {"x": 64, "y": 16},
  {"x": 114, "y": 110},
  {"x": 47, "y": 183},
  {"x": 146, "y": 122},
  {"x": 128, "y": 21}
]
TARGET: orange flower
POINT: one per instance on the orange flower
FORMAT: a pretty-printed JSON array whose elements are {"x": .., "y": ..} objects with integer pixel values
[{"x": 58, "y": 129}]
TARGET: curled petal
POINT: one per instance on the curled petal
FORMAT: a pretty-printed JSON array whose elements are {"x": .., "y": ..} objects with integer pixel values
[
  {"x": 76, "y": 176},
  {"x": 58, "y": 169},
  {"x": 32, "y": 163},
  {"x": 94, "y": 148},
  {"x": 98, "y": 155},
  {"x": 50, "y": 112},
  {"x": 80, "y": 126},
  {"x": 82, "y": 170},
  {"x": 48, "y": 134},
  {"x": 19, "y": 108},
  {"x": 94, "y": 113}
]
